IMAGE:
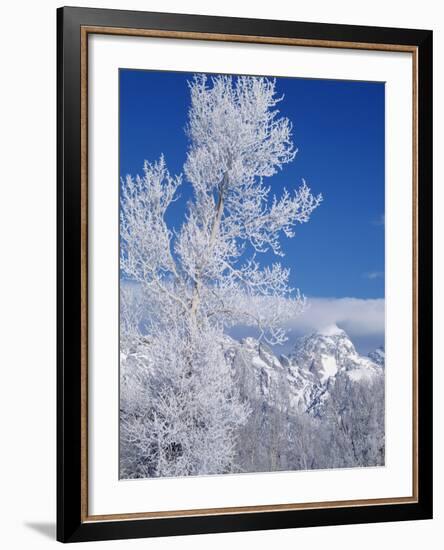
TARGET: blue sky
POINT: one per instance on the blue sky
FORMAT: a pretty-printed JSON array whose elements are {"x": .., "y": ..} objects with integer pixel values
[{"x": 338, "y": 128}]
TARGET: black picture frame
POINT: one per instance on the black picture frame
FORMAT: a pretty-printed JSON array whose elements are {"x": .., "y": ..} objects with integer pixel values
[{"x": 72, "y": 525}]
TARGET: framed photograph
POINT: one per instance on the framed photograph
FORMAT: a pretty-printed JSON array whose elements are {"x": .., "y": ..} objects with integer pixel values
[{"x": 244, "y": 274}]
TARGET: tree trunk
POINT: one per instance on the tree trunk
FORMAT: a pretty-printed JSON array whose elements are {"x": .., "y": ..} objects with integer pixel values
[{"x": 214, "y": 231}]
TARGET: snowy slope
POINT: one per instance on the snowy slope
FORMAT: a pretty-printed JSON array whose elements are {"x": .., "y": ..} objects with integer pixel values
[{"x": 378, "y": 356}]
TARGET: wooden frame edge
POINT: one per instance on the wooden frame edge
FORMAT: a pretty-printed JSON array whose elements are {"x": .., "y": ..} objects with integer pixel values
[
  {"x": 252, "y": 39},
  {"x": 84, "y": 271},
  {"x": 250, "y": 509},
  {"x": 415, "y": 241},
  {"x": 89, "y": 29}
]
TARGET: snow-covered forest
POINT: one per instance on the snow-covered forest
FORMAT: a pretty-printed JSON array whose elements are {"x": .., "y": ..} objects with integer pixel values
[{"x": 194, "y": 400}]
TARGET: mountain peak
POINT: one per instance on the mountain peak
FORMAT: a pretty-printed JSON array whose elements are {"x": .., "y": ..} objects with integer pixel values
[
  {"x": 331, "y": 330},
  {"x": 307, "y": 374},
  {"x": 330, "y": 352}
]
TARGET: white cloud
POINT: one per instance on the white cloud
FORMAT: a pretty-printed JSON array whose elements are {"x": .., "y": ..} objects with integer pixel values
[
  {"x": 380, "y": 220},
  {"x": 359, "y": 315},
  {"x": 363, "y": 320},
  {"x": 374, "y": 275}
]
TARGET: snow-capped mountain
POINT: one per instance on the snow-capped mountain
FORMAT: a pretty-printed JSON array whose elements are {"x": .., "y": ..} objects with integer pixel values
[
  {"x": 304, "y": 377},
  {"x": 300, "y": 381},
  {"x": 321, "y": 406}
]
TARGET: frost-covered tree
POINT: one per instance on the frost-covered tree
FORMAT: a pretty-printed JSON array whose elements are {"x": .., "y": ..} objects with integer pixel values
[
  {"x": 183, "y": 424},
  {"x": 356, "y": 414},
  {"x": 207, "y": 276}
]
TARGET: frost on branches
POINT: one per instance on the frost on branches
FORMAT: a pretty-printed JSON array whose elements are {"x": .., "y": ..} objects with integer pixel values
[{"x": 181, "y": 409}]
